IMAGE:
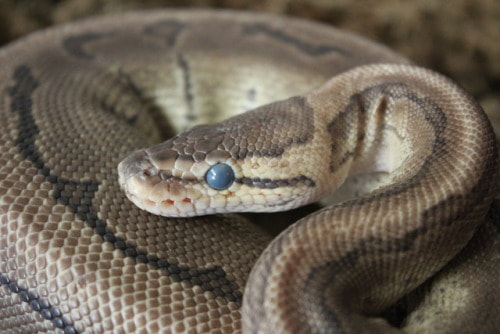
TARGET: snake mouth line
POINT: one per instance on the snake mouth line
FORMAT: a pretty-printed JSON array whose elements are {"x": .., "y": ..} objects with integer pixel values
[{"x": 167, "y": 202}]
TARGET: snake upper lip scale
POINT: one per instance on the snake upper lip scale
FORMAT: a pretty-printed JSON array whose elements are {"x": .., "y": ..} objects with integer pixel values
[
  {"x": 138, "y": 175},
  {"x": 411, "y": 246}
]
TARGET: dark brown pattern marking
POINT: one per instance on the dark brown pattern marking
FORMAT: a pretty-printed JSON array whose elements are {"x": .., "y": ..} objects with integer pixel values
[
  {"x": 167, "y": 29},
  {"x": 75, "y": 44},
  {"x": 275, "y": 183},
  {"x": 459, "y": 205},
  {"x": 78, "y": 197},
  {"x": 40, "y": 305},
  {"x": 188, "y": 89},
  {"x": 303, "y": 46}
]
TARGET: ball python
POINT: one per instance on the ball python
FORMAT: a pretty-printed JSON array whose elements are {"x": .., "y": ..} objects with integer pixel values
[{"x": 412, "y": 247}]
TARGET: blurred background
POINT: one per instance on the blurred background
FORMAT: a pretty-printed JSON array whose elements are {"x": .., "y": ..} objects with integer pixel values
[{"x": 459, "y": 38}]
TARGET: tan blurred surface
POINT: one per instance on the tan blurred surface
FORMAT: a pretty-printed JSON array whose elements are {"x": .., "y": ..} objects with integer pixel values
[{"x": 459, "y": 38}]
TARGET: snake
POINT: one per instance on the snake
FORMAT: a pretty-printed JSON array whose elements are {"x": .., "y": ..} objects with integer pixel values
[{"x": 131, "y": 143}]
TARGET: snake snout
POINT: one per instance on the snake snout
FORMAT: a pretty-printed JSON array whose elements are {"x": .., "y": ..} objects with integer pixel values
[
  {"x": 134, "y": 164},
  {"x": 136, "y": 172},
  {"x": 152, "y": 189}
]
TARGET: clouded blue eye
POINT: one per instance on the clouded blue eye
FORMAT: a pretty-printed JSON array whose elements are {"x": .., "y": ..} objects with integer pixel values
[{"x": 220, "y": 176}]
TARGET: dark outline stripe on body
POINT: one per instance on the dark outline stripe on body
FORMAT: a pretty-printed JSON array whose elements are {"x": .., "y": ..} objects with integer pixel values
[
  {"x": 303, "y": 46},
  {"x": 65, "y": 190},
  {"x": 188, "y": 87},
  {"x": 40, "y": 305},
  {"x": 173, "y": 27},
  {"x": 437, "y": 119},
  {"x": 74, "y": 44}
]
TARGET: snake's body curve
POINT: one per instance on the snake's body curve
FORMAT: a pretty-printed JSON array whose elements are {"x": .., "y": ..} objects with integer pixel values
[{"x": 77, "y": 256}]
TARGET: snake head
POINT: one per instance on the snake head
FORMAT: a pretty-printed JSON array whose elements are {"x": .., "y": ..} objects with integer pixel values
[{"x": 251, "y": 162}]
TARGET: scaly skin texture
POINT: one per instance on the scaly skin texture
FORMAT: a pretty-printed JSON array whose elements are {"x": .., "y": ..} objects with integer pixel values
[{"x": 77, "y": 256}]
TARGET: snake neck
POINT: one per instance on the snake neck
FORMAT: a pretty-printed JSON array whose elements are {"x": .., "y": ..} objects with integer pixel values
[
  {"x": 368, "y": 131},
  {"x": 438, "y": 151}
]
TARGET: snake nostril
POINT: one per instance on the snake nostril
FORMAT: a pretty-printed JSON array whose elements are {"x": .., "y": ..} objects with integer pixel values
[{"x": 187, "y": 200}]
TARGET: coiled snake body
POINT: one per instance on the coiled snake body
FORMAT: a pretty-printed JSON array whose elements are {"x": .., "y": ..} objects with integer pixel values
[{"x": 76, "y": 255}]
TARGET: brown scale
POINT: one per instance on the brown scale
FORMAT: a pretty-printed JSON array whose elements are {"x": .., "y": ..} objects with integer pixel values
[{"x": 77, "y": 256}]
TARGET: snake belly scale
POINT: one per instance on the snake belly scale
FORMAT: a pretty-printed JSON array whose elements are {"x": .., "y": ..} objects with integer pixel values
[{"x": 79, "y": 254}]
